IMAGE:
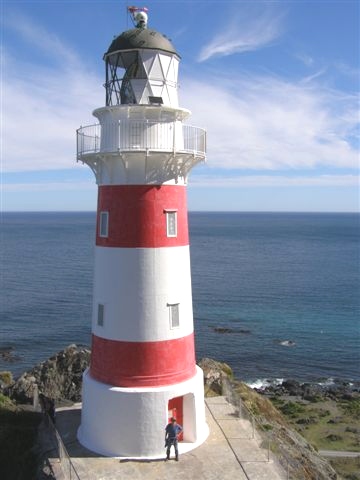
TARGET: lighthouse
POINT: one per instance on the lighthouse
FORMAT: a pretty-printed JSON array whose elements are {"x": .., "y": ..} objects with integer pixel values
[{"x": 142, "y": 369}]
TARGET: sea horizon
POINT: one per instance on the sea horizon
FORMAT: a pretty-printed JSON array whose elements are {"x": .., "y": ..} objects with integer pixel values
[{"x": 200, "y": 211}]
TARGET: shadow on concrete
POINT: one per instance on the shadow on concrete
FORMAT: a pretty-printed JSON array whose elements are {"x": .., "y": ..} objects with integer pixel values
[
  {"x": 67, "y": 424},
  {"x": 142, "y": 460}
]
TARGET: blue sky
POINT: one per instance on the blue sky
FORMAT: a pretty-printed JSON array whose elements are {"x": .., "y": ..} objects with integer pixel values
[{"x": 275, "y": 83}]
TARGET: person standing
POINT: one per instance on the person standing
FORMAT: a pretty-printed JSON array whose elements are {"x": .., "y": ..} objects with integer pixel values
[{"x": 172, "y": 432}]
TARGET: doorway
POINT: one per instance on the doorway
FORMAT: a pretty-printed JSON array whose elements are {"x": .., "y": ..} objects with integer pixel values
[{"x": 175, "y": 409}]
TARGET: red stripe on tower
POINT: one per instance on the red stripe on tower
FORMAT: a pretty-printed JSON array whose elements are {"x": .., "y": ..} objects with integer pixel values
[
  {"x": 137, "y": 215},
  {"x": 143, "y": 364}
]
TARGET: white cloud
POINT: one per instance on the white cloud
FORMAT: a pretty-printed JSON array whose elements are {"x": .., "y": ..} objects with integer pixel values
[
  {"x": 306, "y": 59},
  {"x": 313, "y": 76},
  {"x": 48, "y": 187},
  {"x": 244, "y": 33},
  {"x": 347, "y": 70},
  {"x": 274, "y": 181},
  {"x": 42, "y": 40},
  {"x": 271, "y": 124},
  {"x": 253, "y": 122},
  {"x": 43, "y": 106}
]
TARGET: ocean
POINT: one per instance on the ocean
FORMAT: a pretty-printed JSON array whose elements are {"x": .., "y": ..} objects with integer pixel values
[{"x": 275, "y": 295}]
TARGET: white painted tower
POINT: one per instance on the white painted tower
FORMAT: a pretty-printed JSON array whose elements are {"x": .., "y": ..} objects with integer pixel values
[{"x": 143, "y": 359}]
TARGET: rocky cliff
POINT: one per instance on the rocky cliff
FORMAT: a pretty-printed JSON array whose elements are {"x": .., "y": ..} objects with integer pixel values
[{"x": 58, "y": 378}]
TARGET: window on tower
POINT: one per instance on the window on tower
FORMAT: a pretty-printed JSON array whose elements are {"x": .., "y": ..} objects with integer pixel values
[
  {"x": 174, "y": 315},
  {"x": 171, "y": 223},
  {"x": 104, "y": 224},
  {"x": 100, "y": 315}
]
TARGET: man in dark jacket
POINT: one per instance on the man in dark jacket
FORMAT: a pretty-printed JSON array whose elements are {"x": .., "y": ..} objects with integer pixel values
[{"x": 172, "y": 431}]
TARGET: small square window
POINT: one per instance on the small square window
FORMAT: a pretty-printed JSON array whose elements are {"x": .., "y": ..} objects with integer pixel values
[
  {"x": 100, "y": 316},
  {"x": 171, "y": 224},
  {"x": 104, "y": 224},
  {"x": 174, "y": 315}
]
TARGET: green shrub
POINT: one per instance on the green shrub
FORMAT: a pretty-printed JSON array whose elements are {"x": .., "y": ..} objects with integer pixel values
[
  {"x": 352, "y": 407},
  {"x": 292, "y": 409},
  {"x": 5, "y": 402},
  {"x": 6, "y": 378}
]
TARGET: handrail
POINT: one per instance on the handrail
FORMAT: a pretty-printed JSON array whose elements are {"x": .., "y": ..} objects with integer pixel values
[
  {"x": 234, "y": 399},
  {"x": 140, "y": 135},
  {"x": 66, "y": 463}
]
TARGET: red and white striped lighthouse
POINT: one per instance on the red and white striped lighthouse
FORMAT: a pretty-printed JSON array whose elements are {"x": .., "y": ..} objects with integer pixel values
[{"x": 143, "y": 361}]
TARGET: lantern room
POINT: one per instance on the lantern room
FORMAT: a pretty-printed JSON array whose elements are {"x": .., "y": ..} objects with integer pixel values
[{"x": 141, "y": 68}]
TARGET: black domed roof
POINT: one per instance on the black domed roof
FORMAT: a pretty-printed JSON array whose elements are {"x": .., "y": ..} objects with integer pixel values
[{"x": 140, "y": 38}]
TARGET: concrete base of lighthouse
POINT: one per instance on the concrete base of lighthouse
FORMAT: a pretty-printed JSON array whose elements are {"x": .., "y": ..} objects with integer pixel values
[{"x": 130, "y": 422}]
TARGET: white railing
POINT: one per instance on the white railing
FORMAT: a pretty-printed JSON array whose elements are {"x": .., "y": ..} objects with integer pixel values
[{"x": 142, "y": 135}]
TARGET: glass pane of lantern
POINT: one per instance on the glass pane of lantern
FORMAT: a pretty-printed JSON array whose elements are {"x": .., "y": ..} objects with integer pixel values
[
  {"x": 147, "y": 60},
  {"x": 156, "y": 70},
  {"x": 165, "y": 62},
  {"x": 138, "y": 87},
  {"x": 173, "y": 70}
]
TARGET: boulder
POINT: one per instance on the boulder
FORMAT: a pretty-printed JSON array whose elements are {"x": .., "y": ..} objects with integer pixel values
[
  {"x": 215, "y": 374},
  {"x": 223, "y": 330},
  {"x": 312, "y": 392},
  {"x": 58, "y": 378},
  {"x": 7, "y": 355},
  {"x": 292, "y": 387}
]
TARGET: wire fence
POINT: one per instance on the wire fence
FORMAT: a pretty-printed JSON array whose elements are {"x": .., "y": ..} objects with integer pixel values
[
  {"x": 60, "y": 451},
  {"x": 257, "y": 430}
]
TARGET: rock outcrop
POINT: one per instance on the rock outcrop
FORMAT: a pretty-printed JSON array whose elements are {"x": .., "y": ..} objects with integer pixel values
[
  {"x": 216, "y": 374},
  {"x": 338, "y": 390},
  {"x": 58, "y": 378}
]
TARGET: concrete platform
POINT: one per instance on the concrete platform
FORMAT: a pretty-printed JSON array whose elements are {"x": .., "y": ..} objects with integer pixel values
[{"x": 229, "y": 453}]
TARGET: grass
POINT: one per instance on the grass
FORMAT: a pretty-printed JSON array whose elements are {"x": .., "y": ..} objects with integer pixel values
[
  {"x": 351, "y": 407},
  {"x": 18, "y": 431},
  {"x": 327, "y": 425},
  {"x": 292, "y": 409},
  {"x": 348, "y": 468},
  {"x": 259, "y": 406},
  {"x": 6, "y": 403}
]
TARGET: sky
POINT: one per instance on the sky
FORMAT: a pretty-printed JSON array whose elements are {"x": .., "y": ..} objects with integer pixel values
[{"x": 274, "y": 83}]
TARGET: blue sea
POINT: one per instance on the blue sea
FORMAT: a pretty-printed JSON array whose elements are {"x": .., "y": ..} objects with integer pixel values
[{"x": 275, "y": 295}]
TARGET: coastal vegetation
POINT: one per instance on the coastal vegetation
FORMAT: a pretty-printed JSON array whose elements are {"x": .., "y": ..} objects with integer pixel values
[{"x": 327, "y": 424}]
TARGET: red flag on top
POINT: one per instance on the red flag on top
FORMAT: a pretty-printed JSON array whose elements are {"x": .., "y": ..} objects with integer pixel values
[{"x": 137, "y": 9}]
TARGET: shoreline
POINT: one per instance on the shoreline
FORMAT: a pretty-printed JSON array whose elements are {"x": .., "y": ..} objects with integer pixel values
[
  {"x": 10, "y": 360},
  {"x": 260, "y": 385},
  {"x": 268, "y": 384}
]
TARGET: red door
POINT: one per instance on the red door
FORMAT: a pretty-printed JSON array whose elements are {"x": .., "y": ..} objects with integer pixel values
[{"x": 175, "y": 409}]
